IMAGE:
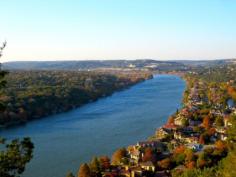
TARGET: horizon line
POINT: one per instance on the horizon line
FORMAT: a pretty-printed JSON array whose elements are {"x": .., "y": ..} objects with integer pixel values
[{"x": 64, "y": 60}]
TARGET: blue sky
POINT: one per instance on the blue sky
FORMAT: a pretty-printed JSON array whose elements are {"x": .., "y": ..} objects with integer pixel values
[{"x": 118, "y": 29}]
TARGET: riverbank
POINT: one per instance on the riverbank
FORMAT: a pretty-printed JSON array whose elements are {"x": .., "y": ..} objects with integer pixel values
[
  {"x": 37, "y": 94},
  {"x": 116, "y": 121},
  {"x": 191, "y": 137}
]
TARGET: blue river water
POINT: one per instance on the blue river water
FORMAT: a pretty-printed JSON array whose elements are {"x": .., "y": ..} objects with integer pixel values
[{"x": 64, "y": 141}]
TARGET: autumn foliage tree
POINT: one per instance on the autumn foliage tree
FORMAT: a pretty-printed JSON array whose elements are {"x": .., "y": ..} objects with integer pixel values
[
  {"x": 148, "y": 155},
  {"x": 84, "y": 171},
  {"x": 171, "y": 120},
  {"x": 232, "y": 92},
  {"x": 105, "y": 162},
  {"x": 165, "y": 163},
  {"x": 179, "y": 155},
  {"x": 191, "y": 164},
  {"x": 189, "y": 155},
  {"x": 95, "y": 165},
  {"x": 118, "y": 156},
  {"x": 206, "y": 122},
  {"x": 221, "y": 146}
]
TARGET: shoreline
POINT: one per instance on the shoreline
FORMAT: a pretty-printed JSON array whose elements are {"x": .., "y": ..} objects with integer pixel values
[
  {"x": 187, "y": 131},
  {"x": 19, "y": 123}
]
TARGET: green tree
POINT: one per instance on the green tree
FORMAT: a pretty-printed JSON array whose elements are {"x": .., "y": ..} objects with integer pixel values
[
  {"x": 185, "y": 122},
  {"x": 219, "y": 121},
  {"x": 14, "y": 155}
]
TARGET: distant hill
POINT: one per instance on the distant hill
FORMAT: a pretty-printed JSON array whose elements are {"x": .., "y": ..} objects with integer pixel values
[
  {"x": 206, "y": 62},
  {"x": 179, "y": 65},
  {"x": 94, "y": 64}
]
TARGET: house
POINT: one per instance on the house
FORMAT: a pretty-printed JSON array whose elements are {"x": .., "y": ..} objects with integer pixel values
[
  {"x": 184, "y": 112},
  {"x": 136, "y": 171},
  {"x": 220, "y": 130},
  {"x": 192, "y": 139},
  {"x": 226, "y": 121},
  {"x": 221, "y": 133},
  {"x": 170, "y": 126},
  {"x": 162, "y": 133},
  {"x": 110, "y": 174},
  {"x": 125, "y": 173},
  {"x": 194, "y": 122},
  {"x": 153, "y": 144},
  {"x": 135, "y": 155},
  {"x": 180, "y": 168},
  {"x": 179, "y": 120},
  {"x": 195, "y": 146},
  {"x": 147, "y": 166},
  {"x": 174, "y": 143},
  {"x": 187, "y": 130},
  {"x": 223, "y": 136},
  {"x": 179, "y": 135},
  {"x": 161, "y": 174},
  {"x": 210, "y": 146}
]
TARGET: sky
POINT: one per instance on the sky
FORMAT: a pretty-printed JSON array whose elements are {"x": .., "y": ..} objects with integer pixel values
[{"x": 117, "y": 29}]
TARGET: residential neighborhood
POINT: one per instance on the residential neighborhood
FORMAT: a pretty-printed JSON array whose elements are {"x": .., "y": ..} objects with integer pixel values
[{"x": 191, "y": 138}]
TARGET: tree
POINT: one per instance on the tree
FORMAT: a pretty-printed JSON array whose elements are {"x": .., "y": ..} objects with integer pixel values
[
  {"x": 219, "y": 121},
  {"x": 14, "y": 155},
  {"x": 3, "y": 46},
  {"x": 231, "y": 140},
  {"x": 84, "y": 171},
  {"x": 95, "y": 165},
  {"x": 105, "y": 162},
  {"x": 201, "y": 162},
  {"x": 179, "y": 155},
  {"x": 185, "y": 122},
  {"x": 149, "y": 155},
  {"x": 118, "y": 156},
  {"x": 171, "y": 120},
  {"x": 205, "y": 158},
  {"x": 189, "y": 155},
  {"x": 211, "y": 131},
  {"x": 2, "y": 77},
  {"x": 165, "y": 163},
  {"x": 191, "y": 165},
  {"x": 221, "y": 148},
  {"x": 69, "y": 174},
  {"x": 206, "y": 122},
  {"x": 202, "y": 139}
]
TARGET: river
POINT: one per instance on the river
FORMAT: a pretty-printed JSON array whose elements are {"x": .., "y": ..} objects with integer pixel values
[{"x": 64, "y": 141}]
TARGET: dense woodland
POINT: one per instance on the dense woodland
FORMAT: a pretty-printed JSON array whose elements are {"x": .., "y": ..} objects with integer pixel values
[
  {"x": 34, "y": 94},
  {"x": 96, "y": 64}
]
